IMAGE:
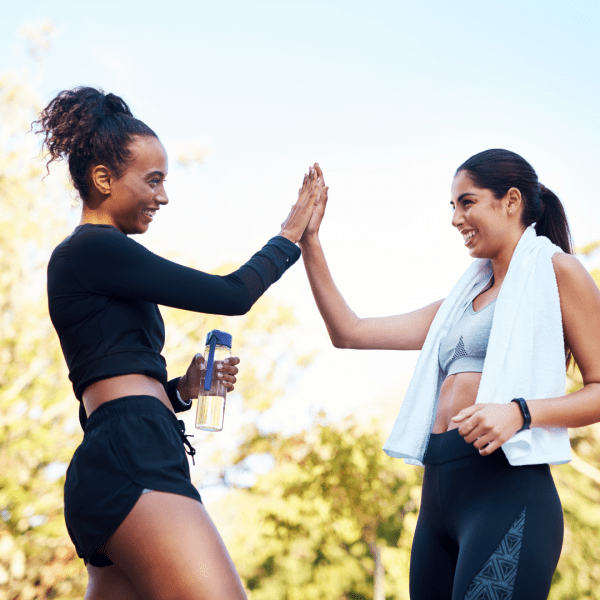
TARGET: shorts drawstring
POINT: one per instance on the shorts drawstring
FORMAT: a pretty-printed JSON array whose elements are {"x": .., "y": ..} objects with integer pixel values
[{"x": 189, "y": 449}]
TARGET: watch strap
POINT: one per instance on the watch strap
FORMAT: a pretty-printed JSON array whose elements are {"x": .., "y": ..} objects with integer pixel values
[{"x": 524, "y": 411}]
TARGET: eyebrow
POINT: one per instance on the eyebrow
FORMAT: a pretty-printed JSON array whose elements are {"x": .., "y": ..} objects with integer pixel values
[{"x": 152, "y": 173}]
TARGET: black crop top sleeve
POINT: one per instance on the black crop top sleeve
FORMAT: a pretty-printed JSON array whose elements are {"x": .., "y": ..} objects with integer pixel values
[
  {"x": 103, "y": 295},
  {"x": 108, "y": 263}
]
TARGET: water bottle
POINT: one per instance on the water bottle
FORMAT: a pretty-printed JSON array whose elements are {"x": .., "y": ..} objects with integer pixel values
[{"x": 211, "y": 398}]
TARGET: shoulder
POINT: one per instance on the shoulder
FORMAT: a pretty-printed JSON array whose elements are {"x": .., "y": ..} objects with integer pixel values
[
  {"x": 572, "y": 277},
  {"x": 91, "y": 239},
  {"x": 568, "y": 268}
]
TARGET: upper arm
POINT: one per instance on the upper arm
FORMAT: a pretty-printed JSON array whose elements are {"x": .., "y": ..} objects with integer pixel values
[
  {"x": 399, "y": 332},
  {"x": 580, "y": 309}
]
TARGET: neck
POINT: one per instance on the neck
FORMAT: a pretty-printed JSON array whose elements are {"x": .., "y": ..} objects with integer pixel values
[
  {"x": 94, "y": 217},
  {"x": 501, "y": 261}
]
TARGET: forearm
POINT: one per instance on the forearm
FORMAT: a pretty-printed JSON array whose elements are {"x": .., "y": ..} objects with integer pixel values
[
  {"x": 341, "y": 321},
  {"x": 578, "y": 409}
]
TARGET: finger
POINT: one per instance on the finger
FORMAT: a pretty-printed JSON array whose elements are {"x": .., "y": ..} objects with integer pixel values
[
  {"x": 473, "y": 435},
  {"x": 319, "y": 171},
  {"x": 227, "y": 380},
  {"x": 230, "y": 369},
  {"x": 491, "y": 447},
  {"x": 470, "y": 430},
  {"x": 482, "y": 441},
  {"x": 232, "y": 360},
  {"x": 465, "y": 413}
]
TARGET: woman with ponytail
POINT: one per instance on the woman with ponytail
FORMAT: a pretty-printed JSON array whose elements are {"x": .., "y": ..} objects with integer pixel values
[
  {"x": 486, "y": 411},
  {"x": 130, "y": 507}
]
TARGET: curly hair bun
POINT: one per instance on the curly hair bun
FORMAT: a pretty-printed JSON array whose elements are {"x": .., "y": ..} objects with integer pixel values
[{"x": 87, "y": 126}]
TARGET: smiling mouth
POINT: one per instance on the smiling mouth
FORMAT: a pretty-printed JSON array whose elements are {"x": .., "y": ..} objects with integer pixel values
[
  {"x": 468, "y": 236},
  {"x": 149, "y": 212}
]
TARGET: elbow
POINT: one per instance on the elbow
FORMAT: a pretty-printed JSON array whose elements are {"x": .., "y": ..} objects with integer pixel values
[
  {"x": 339, "y": 341},
  {"x": 241, "y": 308}
]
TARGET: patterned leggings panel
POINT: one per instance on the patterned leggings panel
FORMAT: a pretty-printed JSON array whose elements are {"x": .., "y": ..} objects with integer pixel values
[{"x": 486, "y": 530}]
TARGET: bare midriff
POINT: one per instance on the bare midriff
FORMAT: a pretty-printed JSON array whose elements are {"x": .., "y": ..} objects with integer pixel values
[
  {"x": 124, "y": 385},
  {"x": 458, "y": 391}
]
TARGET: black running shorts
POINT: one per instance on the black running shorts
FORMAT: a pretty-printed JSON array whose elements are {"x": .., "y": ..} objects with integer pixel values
[{"x": 129, "y": 444}]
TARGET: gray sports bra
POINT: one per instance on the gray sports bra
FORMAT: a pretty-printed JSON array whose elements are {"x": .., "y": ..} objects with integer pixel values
[{"x": 464, "y": 347}]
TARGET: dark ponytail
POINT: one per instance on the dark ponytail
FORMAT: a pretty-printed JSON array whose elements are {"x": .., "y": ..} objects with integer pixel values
[
  {"x": 499, "y": 170},
  {"x": 553, "y": 221},
  {"x": 89, "y": 128}
]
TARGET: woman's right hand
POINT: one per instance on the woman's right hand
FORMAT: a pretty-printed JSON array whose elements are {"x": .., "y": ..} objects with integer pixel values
[
  {"x": 308, "y": 195},
  {"x": 312, "y": 229}
]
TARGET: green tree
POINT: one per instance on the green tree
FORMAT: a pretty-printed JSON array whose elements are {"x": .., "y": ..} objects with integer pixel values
[
  {"x": 578, "y": 484},
  {"x": 333, "y": 515},
  {"x": 38, "y": 423}
]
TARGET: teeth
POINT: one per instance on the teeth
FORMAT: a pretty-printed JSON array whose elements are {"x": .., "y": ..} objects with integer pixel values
[
  {"x": 468, "y": 236},
  {"x": 149, "y": 212}
]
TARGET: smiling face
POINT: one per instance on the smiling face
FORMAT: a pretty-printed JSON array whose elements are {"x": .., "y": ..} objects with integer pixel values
[
  {"x": 130, "y": 202},
  {"x": 489, "y": 226}
]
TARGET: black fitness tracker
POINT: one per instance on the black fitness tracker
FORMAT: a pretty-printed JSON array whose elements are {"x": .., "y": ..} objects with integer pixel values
[{"x": 524, "y": 411}]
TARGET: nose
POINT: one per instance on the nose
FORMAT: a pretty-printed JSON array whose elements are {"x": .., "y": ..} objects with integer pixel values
[
  {"x": 161, "y": 196},
  {"x": 457, "y": 217}
]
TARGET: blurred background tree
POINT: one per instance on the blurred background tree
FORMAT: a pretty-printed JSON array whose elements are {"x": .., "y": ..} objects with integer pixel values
[
  {"x": 38, "y": 420},
  {"x": 333, "y": 519}
]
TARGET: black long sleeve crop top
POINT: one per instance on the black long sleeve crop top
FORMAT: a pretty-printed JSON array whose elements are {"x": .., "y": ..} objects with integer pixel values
[{"x": 103, "y": 291}]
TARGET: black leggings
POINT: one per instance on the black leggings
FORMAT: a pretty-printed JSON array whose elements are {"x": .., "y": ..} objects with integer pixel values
[{"x": 486, "y": 529}]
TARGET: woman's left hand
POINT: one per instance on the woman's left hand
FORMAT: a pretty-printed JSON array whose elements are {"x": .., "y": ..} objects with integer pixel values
[
  {"x": 488, "y": 426},
  {"x": 189, "y": 384}
]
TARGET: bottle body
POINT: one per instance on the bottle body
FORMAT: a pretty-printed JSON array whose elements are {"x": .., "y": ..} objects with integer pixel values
[{"x": 211, "y": 403}]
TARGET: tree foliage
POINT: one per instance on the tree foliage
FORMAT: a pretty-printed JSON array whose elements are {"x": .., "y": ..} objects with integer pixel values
[
  {"x": 332, "y": 507},
  {"x": 38, "y": 418}
]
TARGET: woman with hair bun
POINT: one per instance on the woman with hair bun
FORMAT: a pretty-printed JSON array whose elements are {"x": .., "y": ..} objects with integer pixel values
[
  {"x": 130, "y": 507},
  {"x": 486, "y": 411}
]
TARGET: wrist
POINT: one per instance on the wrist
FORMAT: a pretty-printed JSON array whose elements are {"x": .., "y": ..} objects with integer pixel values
[
  {"x": 524, "y": 410},
  {"x": 288, "y": 236},
  {"x": 309, "y": 242},
  {"x": 182, "y": 389}
]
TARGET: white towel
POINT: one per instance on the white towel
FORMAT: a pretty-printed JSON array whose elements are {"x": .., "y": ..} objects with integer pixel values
[{"x": 525, "y": 355}]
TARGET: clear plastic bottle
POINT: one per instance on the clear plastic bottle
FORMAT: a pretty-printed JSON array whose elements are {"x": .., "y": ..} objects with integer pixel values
[{"x": 211, "y": 399}]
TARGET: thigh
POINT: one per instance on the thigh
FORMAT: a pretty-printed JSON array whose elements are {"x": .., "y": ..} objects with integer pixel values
[
  {"x": 169, "y": 548},
  {"x": 432, "y": 563},
  {"x": 516, "y": 562},
  {"x": 109, "y": 582}
]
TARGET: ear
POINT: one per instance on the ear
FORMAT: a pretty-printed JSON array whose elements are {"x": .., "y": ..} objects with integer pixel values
[
  {"x": 513, "y": 200},
  {"x": 102, "y": 179}
]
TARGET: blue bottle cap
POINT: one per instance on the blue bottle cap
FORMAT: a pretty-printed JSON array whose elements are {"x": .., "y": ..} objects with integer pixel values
[
  {"x": 213, "y": 338},
  {"x": 223, "y": 338}
]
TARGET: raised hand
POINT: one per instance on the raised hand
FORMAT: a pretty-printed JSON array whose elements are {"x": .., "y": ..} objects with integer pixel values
[
  {"x": 308, "y": 195},
  {"x": 312, "y": 229}
]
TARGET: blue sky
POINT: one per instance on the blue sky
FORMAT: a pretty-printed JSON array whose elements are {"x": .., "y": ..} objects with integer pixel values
[{"x": 389, "y": 96}]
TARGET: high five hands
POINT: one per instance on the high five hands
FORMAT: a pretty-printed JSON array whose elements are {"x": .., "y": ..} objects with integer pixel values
[{"x": 311, "y": 195}]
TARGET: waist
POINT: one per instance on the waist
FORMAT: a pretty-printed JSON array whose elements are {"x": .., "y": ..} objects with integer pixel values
[
  {"x": 458, "y": 391},
  {"x": 447, "y": 447},
  {"x": 112, "y": 388}
]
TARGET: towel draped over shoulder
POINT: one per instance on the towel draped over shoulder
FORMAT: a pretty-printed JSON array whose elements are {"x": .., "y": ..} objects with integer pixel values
[{"x": 525, "y": 355}]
